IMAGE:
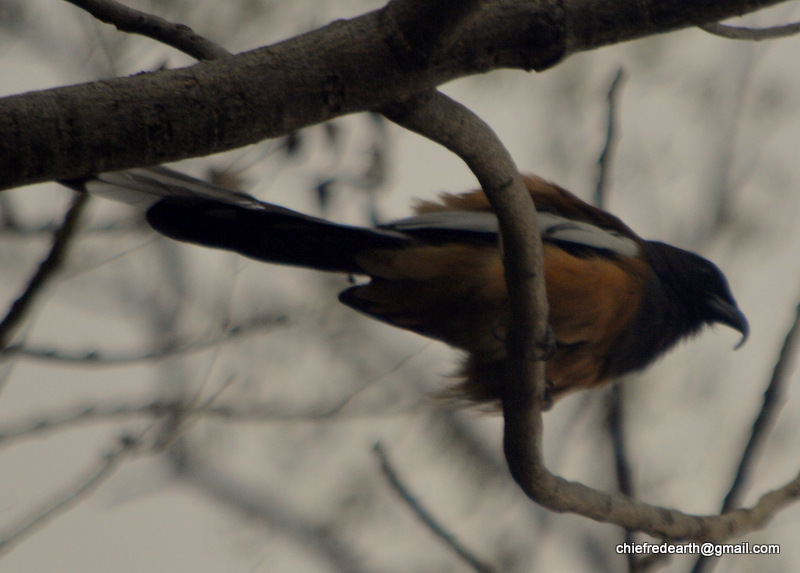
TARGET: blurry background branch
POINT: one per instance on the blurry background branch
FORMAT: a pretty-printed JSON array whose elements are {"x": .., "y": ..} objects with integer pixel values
[
  {"x": 425, "y": 516},
  {"x": 47, "y": 269},
  {"x": 765, "y": 420}
]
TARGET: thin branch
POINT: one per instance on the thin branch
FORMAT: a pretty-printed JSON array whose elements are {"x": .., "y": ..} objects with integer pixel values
[
  {"x": 66, "y": 418},
  {"x": 178, "y": 36},
  {"x": 773, "y": 400},
  {"x": 752, "y": 34},
  {"x": 127, "y": 445},
  {"x": 615, "y": 410},
  {"x": 170, "y": 349},
  {"x": 126, "y": 225},
  {"x": 763, "y": 423},
  {"x": 51, "y": 264},
  {"x": 615, "y": 422},
  {"x": 424, "y": 515},
  {"x": 606, "y": 158},
  {"x": 322, "y": 540},
  {"x": 71, "y": 496}
]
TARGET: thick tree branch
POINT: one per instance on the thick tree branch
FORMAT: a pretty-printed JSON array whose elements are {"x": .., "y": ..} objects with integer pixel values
[
  {"x": 773, "y": 399},
  {"x": 178, "y": 36},
  {"x": 348, "y": 66},
  {"x": 424, "y": 27}
]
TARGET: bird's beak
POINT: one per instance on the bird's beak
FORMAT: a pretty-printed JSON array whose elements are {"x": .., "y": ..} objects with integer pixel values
[{"x": 728, "y": 313}]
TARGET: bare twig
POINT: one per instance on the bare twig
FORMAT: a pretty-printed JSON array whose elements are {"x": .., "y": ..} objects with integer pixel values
[
  {"x": 615, "y": 422},
  {"x": 261, "y": 506},
  {"x": 763, "y": 423},
  {"x": 71, "y": 496},
  {"x": 125, "y": 225},
  {"x": 752, "y": 34},
  {"x": 178, "y": 36},
  {"x": 173, "y": 348},
  {"x": 424, "y": 515},
  {"x": 65, "y": 418},
  {"x": 47, "y": 269},
  {"x": 615, "y": 410},
  {"x": 68, "y": 417},
  {"x": 606, "y": 158},
  {"x": 773, "y": 400}
]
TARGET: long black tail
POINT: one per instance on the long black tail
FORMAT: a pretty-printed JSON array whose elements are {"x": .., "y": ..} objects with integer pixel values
[{"x": 193, "y": 211}]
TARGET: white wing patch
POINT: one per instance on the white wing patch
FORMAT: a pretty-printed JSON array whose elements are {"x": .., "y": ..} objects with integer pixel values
[
  {"x": 557, "y": 228},
  {"x": 553, "y": 228}
]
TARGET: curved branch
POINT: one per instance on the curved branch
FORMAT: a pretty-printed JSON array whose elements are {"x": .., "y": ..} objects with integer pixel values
[
  {"x": 454, "y": 126},
  {"x": 752, "y": 34}
]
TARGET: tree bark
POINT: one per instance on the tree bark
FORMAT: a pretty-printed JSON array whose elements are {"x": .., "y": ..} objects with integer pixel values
[{"x": 348, "y": 66}]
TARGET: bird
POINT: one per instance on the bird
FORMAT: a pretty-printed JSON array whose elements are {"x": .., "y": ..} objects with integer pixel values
[{"x": 617, "y": 302}]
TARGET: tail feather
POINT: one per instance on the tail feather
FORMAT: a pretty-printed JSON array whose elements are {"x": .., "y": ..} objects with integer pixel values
[
  {"x": 193, "y": 211},
  {"x": 144, "y": 186}
]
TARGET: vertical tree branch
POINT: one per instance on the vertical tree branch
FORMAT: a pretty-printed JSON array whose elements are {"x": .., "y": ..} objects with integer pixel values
[
  {"x": 615, "y": 411},
  {"x": 606, "y": 159},
  {"x": 449, "y": 123}
]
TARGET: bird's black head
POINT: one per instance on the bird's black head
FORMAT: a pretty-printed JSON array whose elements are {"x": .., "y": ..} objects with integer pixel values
[
  {"x": 683, "y": 292},
  {"x": 700, "y": 287}
]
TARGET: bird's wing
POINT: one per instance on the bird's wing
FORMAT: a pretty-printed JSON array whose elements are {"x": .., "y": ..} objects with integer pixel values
[{"x": 482, "y": 227}]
